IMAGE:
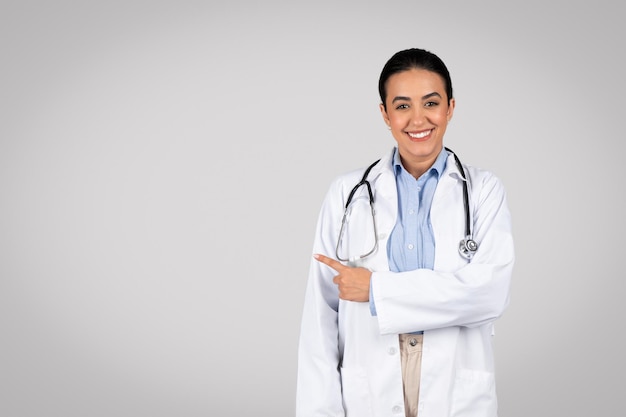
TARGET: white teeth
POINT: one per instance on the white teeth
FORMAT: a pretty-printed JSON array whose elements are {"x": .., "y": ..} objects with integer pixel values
[{"x": 419, "y": 135}]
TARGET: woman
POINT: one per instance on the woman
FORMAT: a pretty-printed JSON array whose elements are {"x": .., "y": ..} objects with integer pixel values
[{"x": 403, "y": 324}]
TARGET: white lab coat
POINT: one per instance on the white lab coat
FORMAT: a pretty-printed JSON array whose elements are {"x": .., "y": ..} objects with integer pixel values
[{"x": 348, "y": 360}]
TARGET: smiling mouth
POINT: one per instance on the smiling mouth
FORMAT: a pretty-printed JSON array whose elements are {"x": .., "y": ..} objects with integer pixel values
[{"x": 420, "y": 135}]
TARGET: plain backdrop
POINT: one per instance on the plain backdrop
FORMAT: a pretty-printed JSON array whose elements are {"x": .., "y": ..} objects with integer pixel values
[{"x": 162, "y": 164}]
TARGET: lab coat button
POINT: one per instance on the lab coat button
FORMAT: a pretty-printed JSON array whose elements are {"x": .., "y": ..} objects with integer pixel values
[
  {"x": 396, "y": 409},
  {"x": 392, "y": 350}
]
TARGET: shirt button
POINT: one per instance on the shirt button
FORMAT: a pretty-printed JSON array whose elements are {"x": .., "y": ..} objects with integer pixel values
[
  {"x": 410, "y": 246},
  {"x": 411, "y": 211}
]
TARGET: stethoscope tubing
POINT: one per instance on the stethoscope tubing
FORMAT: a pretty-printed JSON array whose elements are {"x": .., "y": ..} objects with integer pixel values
[{"x": 467, "y": 246}]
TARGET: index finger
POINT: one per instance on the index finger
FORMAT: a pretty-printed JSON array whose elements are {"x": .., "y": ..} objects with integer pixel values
[{"x": 336, "y": 265}]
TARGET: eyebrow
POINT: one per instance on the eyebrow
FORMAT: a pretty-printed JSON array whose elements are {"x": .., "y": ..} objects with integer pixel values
[{"x": 427, "y": 96}]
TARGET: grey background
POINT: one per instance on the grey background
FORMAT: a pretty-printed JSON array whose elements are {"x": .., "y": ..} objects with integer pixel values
[{"x": 162, "y": 165}]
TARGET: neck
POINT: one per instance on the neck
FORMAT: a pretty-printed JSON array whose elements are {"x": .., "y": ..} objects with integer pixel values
[{"x": 416, "y": 167}]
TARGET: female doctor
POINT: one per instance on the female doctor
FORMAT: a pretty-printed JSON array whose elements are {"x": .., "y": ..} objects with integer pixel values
[{"x": 403, "y": 292}]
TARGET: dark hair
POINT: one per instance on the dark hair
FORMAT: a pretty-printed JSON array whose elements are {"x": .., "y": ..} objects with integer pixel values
[{"x": 413, "y": 58}]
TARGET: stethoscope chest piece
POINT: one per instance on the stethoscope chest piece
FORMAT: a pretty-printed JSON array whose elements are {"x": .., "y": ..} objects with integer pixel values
[{"x": 467, "y": 247}]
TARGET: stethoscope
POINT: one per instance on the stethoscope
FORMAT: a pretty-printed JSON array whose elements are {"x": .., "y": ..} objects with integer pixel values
[{"x": 467, "y": 246}]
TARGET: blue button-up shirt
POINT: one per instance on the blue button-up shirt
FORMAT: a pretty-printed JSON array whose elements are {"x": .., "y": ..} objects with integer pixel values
[{"x": 412, "y": 242}]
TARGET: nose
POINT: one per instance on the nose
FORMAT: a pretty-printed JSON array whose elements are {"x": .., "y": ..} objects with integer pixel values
[{"x": 418, "y": 116}]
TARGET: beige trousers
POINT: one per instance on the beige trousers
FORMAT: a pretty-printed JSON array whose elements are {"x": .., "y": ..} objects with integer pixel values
[{"x": 411, "y": 360}]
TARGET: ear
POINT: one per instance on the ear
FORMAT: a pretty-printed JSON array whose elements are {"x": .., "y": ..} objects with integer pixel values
[
  {"x": 383, "y": 112},
  {"x": 451, "y": 108}
]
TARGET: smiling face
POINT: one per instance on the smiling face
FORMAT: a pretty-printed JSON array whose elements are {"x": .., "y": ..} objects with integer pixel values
[{"x": 417, "y": 111}]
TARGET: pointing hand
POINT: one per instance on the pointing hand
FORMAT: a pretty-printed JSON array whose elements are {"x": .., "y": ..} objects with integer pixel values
[{"x": 353, "y": 283}]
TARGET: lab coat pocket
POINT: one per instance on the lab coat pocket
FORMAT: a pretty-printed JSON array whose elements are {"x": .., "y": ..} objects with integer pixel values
[
  {"x": 356, "y": 393},
  {"x": 474, "y": 394}
]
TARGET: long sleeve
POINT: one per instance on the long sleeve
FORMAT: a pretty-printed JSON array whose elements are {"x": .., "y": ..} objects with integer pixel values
[
  {"x": 319, "y": 390},
  {"x": 470, "y": 295}
]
